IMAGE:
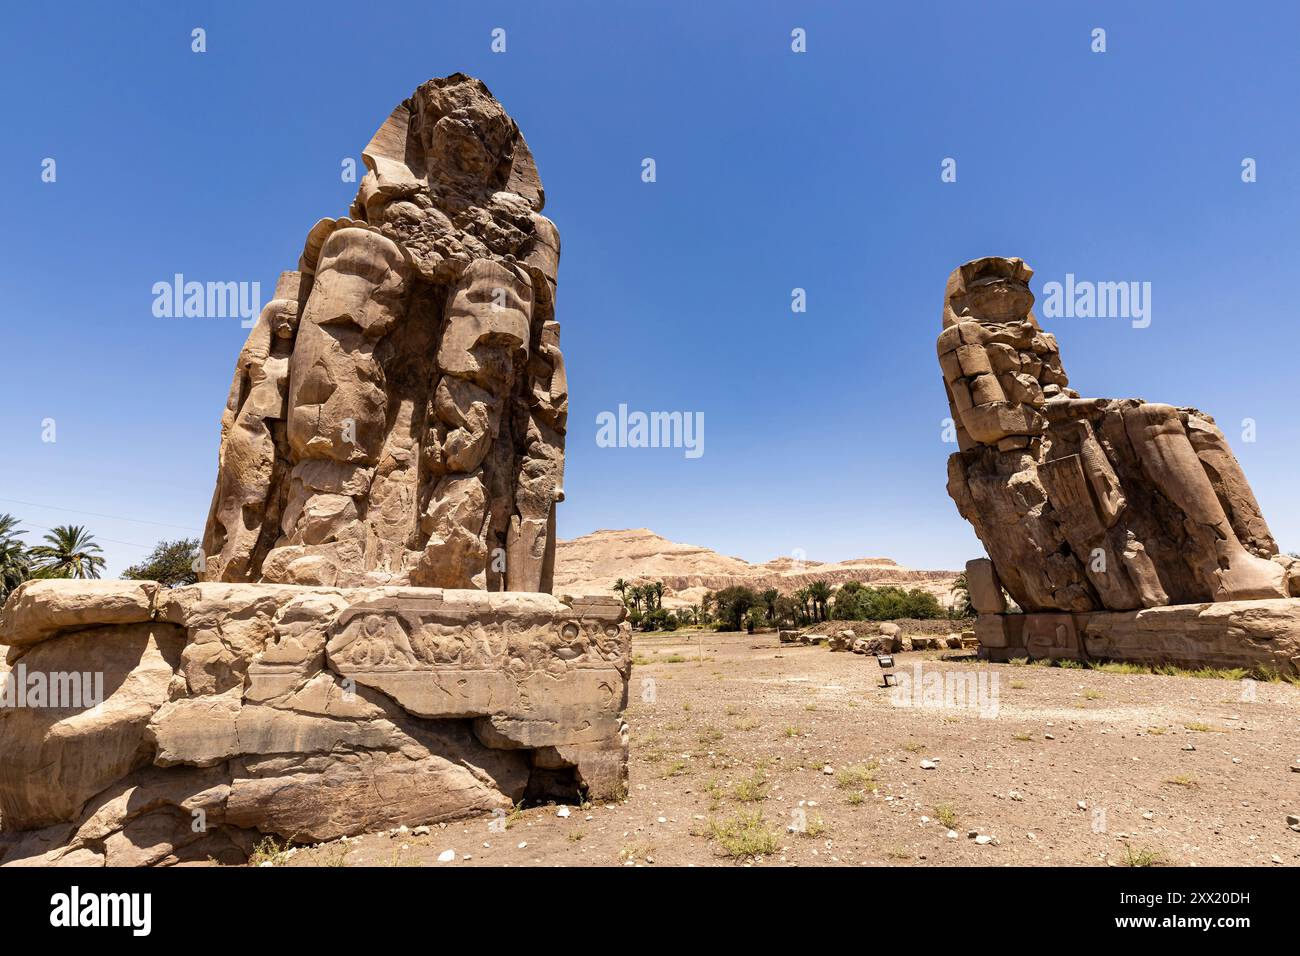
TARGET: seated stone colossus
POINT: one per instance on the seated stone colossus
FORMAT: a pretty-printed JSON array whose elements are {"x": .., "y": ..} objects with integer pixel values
[
  {"x": 1122, "y": 528},
  {"x": 373, "y": 642}
]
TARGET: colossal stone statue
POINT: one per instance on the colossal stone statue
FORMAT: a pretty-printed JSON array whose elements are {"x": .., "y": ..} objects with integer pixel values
[
  {"x": 424, "y": 432},
  {"x": 359, "y": 655},
  {"x": 1085, "y": 505}
]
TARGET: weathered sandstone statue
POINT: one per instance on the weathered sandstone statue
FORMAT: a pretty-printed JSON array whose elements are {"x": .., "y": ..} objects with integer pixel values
[
  {"x": 398, "y": 414},
  {"x": 1089, "y": 505},
  {"x": 375, "y": 643}
]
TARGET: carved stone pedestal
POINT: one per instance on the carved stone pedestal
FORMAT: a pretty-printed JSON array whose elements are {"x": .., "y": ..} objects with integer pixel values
[{"x": 233, "y": 710}]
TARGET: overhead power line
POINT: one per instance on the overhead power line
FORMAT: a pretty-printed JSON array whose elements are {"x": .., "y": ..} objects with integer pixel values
[
  {"x": 97, "y": 514},
  {"x": 96, "y": 537}
]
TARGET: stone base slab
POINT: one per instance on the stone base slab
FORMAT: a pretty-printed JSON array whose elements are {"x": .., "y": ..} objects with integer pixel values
[
  {"x": 1261, "y": 636},
  {"x": 226, "y": 711}
]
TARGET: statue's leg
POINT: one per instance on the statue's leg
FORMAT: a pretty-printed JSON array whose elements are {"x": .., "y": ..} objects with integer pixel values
[
  {"x": 1228, "y": 570},
  {"x": 484, "y": 348},
  {"x": 338, "y": 407}
]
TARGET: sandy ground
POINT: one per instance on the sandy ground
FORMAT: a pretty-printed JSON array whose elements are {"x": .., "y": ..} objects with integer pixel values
[{"x": 1049, "y": 766}]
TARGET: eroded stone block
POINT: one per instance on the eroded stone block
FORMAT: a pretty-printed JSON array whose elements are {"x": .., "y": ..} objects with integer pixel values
[{"x": 313, "y": 712}]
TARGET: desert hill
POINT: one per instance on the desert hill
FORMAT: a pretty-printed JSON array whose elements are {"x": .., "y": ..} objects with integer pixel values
[{"x": 591, "y": 564}]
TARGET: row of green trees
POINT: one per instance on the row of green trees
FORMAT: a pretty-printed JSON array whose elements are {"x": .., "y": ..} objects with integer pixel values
[
  {"x": 70, "y": 551},
  {"x": 645, "y": 610},
  {"x": 857, "y": 602},
  {"x": 740, "y": 608},
  {"x": 726, "y": 609},
  {"x": 853, "y": 601}
]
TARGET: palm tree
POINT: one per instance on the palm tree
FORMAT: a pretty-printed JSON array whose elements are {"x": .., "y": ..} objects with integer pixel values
[
  {"x": 820, "y": 592},
  {"x": 960, "y": 594},
  {"x": 637, "y": 594},
  {"x": 15, "y": 565},
  {"x": 733, "y": 603},
  {"x": 695, "y": 613},
  {"x": 71, "y": 553},
  {"x": 621, "y": 587},
  {"x": 657, "y": 589},
  {"x": 769, "y": 601},
  {"x": 801, "y": 597}
]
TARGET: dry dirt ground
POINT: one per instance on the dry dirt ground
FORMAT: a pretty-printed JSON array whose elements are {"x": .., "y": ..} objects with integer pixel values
[{"x": 806, "y": 749}]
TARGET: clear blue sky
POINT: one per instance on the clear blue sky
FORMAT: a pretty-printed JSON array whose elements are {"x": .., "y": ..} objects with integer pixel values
[{"x": 775, "y": 170}]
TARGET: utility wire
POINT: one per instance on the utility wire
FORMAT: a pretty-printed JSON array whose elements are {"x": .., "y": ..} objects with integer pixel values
[
  {"x": 131, "y": 544},
  {"x": 96, "y": 514}
]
